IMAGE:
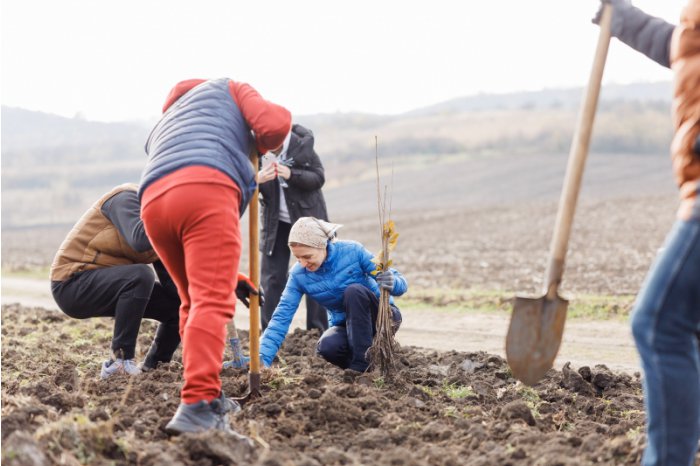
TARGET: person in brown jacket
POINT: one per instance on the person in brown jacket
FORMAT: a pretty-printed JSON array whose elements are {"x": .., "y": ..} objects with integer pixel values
[
  {"x": 102, "y": 270},
  {"x": 666, "y": 315}
]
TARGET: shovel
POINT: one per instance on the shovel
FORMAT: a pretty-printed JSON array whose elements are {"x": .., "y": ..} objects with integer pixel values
[
  {"x": 253, "y": 299},
  {"x": 537, "y": 324}
]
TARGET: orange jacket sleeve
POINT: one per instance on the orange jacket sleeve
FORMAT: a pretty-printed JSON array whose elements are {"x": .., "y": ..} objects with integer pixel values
[
  {"x": 270, "y": 122},
  {"x": 685, "y": 62}
]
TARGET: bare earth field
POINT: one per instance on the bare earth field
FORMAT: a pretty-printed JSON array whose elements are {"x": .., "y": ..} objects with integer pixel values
[
  {"x": 489, "y": 248},
  {"x": 462, "y": 248},
  {"x": 444, "y": 408}
]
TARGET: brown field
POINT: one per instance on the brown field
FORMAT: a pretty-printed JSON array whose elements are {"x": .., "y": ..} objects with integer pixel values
[
  {"x": 444, "y": 408},
  {"x": 497, "y": 248},
  {"x": 474, "y": 225}
]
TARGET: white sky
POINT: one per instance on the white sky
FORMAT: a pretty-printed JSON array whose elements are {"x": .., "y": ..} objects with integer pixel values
[{"x": 116, "y": 60}]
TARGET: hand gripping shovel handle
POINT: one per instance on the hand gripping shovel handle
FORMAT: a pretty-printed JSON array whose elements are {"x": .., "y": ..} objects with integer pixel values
[{"x": 577, "y": 161}]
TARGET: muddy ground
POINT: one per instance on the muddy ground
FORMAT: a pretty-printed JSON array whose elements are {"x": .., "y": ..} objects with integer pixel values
[{"x": 444, "y": 408}]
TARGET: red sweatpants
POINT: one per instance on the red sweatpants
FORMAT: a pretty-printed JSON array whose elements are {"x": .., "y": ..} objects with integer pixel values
[{"x": 192, "y": 219}]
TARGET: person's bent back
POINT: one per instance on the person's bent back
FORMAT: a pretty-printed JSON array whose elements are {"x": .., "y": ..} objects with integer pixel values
[{"x": 102, "y": 270}]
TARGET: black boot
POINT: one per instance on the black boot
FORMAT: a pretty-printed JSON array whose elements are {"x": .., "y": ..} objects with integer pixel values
[{"x": 163, "y": 347}]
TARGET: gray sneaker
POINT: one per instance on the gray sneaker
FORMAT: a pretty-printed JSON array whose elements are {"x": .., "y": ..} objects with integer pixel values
[
  {"x": 201, "y": 416},
  {"x": 119, "y": 366}
]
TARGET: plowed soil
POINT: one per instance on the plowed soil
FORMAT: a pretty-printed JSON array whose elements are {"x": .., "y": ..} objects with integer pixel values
[{"x": 442, "y": 408}]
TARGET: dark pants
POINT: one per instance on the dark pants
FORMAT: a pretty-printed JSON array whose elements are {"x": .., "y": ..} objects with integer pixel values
[
  {"x": 346, "y": 346},
  {"x": 274, "y": 272},
  {"x": 128, "y": 293}
]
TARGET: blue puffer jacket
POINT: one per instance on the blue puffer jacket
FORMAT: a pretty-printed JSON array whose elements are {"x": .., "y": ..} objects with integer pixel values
[
  {"x": 347, "y": 263},
  {"x": 203, "y": 127}
]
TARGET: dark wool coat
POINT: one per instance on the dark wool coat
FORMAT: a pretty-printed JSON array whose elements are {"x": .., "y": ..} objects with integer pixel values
[{"x": 303, "y": 192}]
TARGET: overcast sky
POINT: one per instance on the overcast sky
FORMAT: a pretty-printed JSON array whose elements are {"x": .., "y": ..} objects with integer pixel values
[{"x": 116, "y": 60}]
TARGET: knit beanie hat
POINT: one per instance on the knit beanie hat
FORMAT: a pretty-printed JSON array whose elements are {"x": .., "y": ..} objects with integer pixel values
[{"x": 312, "y": 232}]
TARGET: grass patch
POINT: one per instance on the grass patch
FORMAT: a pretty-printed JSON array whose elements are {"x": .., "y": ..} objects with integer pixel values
[
  {"x": 601, "y": 307},
  {"x": 583, "y": 306},
  {"x": 458, "y": 300},
  {"x": 458, "y": 392},
  {"x": 634, "y": 433},
  {"x": 450, "y": 411},
  {"x": 531, "y": 398},
  {"x": 529, "y": 395},
  {"x": 631, "y": 413},
  {"x": 280, "y": 378}
]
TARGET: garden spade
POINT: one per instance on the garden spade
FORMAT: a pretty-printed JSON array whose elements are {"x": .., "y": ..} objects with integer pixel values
[
  {"x": 253, "y": 299},
  {"x": 537, "y": 324}
]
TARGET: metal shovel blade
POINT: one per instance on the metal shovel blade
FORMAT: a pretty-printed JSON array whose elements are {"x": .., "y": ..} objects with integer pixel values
[
  {"x": 534, "y": 336},
  {"x": 253, "y": 390}
]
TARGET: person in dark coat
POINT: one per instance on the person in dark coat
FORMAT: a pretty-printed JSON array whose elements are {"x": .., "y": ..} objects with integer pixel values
[{"x": 290, "y": 182}]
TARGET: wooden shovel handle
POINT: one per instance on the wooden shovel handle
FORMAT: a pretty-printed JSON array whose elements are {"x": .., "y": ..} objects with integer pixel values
[
  {"x": 577, "y": 161},
  {"x": 254, "y": 275}
]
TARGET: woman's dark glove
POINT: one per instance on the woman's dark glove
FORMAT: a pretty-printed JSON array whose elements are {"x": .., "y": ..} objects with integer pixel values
[{"x": 245, "y": 288}]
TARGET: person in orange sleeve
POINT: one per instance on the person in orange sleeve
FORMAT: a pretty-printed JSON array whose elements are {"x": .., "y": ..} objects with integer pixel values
[
  {"x": 197, "y": 183},
  {"x": 666, "y": 313}
]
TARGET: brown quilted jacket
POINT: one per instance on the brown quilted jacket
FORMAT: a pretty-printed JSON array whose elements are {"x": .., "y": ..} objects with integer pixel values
[{"x": 94, "y": 243}]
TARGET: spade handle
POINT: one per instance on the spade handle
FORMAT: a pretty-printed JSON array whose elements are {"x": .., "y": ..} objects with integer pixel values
[
  {"x": 254, "y": 274},
  {"x": 577, "y": 161}
]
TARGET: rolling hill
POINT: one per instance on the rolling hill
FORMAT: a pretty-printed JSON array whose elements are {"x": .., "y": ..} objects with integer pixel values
[{"x": 471, "y": 150}]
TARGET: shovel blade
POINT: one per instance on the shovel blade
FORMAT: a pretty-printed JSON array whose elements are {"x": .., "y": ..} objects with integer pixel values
[
  {"x": 534, "y": 336},
  {"x": 253, "y": 392}
]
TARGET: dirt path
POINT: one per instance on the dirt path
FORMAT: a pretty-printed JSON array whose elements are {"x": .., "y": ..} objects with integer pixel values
[{"x": 586, "y": 342}]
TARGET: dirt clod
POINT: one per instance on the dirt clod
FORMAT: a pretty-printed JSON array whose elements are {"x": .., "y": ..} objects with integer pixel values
[{"x": 518, "y": 409}]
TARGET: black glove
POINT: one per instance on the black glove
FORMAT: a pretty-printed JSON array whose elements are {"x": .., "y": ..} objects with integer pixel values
[
  {"x": 245, "y": 288},
  {"x": 617, "y": 18},
  {"x": 385, "y": 280}
]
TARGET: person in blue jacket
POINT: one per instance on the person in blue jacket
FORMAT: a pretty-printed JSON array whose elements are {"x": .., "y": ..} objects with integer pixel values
[{"x": 338, "y": 275}]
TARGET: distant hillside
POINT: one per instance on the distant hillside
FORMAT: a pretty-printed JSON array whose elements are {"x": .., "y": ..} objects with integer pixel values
[
  {"x": 54, "y": 167},
  {"x": 659, "y": 92},
  {"x": 30, "y": 138}
]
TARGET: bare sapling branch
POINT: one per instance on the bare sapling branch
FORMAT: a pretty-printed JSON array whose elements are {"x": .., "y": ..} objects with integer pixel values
[{"x": 384, "y": 346}]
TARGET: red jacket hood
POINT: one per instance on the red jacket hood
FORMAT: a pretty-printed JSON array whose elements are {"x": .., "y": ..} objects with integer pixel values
[{"x": 179, "y": 90}]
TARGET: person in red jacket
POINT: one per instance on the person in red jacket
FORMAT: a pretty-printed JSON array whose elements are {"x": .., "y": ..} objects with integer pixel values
[{"x": 196, "y": 184}]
